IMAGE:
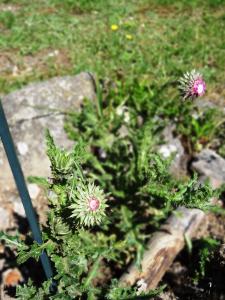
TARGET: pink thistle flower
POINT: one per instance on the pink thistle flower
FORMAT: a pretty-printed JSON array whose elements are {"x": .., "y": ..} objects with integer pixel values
[
  {"x": 192, "y": 85},
  {"x": 94, "y": 204},
  {"x": 199, "y": 87}
]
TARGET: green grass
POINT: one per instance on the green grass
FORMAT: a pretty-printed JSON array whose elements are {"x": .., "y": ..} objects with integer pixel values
[{"x": 168, "y": 38}]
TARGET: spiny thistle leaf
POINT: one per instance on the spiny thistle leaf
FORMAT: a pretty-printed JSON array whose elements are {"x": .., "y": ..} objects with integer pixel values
[
  {"x": 12, "y": 241},
  {"x": 63, "y": 163}
]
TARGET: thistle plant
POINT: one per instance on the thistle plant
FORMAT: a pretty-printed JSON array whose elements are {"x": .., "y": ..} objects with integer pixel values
[
  {"x": 88, "y": 201},
  {"x": 192, "y": 85},
  {"x": 78, "y": 253},
  {"x": 82, "y": 239}
]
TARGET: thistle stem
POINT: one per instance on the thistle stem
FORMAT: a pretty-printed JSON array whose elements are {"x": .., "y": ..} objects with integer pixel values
[{"x": 92, "y": 273}]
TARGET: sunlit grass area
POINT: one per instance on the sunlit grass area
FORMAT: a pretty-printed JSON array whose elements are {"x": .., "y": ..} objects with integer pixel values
[{"x": 154, "y": 41}]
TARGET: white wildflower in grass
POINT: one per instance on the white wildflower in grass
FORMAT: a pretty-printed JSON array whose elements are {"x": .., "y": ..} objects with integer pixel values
[
  {"x": 122, "y": 110},
  {"x": 89, "y": 204},
  {"x": 192, "y": 85}
]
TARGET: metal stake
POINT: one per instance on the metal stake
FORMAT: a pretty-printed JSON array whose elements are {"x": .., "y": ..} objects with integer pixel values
[{"x": 22, "y": 188}]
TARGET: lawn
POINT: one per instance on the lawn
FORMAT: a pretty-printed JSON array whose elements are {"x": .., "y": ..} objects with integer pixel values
[{"x": 154, "y": 43}]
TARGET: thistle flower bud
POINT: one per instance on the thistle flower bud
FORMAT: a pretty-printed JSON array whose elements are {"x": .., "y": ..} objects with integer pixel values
[
  {"x": 192, "y": 85},
  {"x": 89, "y": 204}
]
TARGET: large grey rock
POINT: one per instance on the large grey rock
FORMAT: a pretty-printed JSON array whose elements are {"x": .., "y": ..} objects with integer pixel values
[
  {"x": 210, "y": 166},
  {"x": 34, "y": 108}
]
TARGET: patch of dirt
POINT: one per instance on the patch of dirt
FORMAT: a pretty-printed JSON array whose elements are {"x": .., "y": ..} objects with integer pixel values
[
  {"x": 216, "y": 227},
  {"x": 167, "y": 295},
  {"x": 9, "y": 7},
  {"x": 16, "y": 223},
  {"x": 162, "y": 10},
  {"x": 179, "y": 277},
  {"x": 13, "y": 65},
  {"x": 47, "y": 11}
]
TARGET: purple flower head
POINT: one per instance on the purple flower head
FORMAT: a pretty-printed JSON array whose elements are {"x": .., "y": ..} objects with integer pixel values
[
  {"x": 199, "y": 87},
  {"x": 93, "y": 204},
  {"x": 192, "y": 85}
]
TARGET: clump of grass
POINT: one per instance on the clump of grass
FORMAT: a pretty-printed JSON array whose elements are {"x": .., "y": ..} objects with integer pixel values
[{"x": 164, "y": 41}]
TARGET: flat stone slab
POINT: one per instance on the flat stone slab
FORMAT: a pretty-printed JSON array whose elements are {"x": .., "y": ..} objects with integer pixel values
[{"x": 33, "y": 109}]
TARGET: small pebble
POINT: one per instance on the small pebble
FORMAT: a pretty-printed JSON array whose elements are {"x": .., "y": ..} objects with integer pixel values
[
  {"x": 18, "y": 208},
  {"x": 34, "y": 190},
  {"x": 22, "y": 148},
  {"x": 12, "y": 277},
  {"x": 167, "y": 150}
]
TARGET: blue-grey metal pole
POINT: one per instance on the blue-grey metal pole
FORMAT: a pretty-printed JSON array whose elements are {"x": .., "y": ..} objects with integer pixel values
[{"x": 22, "y": 188}]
